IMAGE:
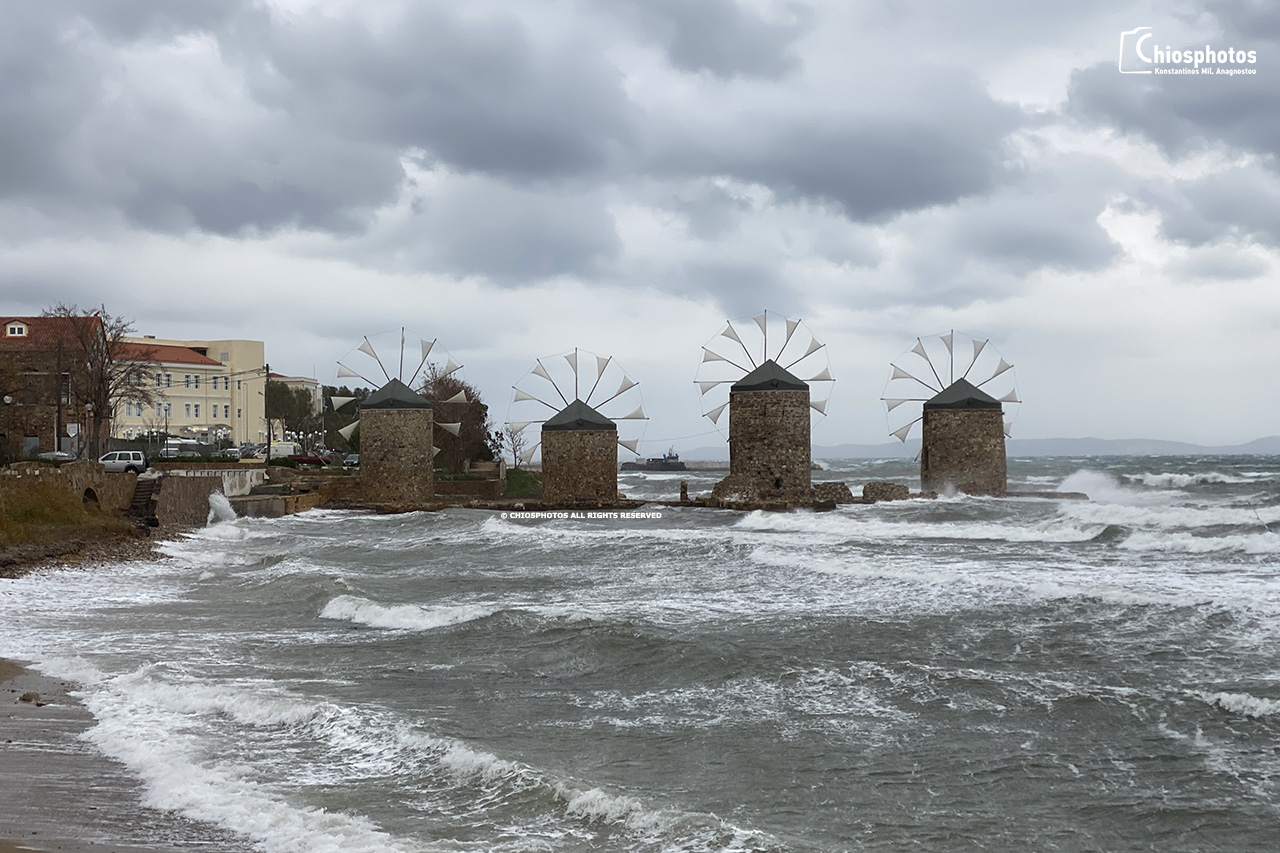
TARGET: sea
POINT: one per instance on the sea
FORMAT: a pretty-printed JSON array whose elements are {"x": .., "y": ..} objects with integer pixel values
[{"x": 1020, "y": 674}]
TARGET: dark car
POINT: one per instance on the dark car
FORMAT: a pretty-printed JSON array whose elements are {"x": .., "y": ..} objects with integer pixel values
[
  {"x": 352, "y": 460},
  {"x": 317, "y": 458}
]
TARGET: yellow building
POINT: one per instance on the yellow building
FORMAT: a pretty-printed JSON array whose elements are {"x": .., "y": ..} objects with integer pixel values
[{"x": 208, "y": 390}]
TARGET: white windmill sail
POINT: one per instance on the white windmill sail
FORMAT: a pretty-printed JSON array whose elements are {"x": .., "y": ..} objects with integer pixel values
[
  {"x": 450, "y": 367},
  {"x": 524, "y": 395},
  {"x": 1008, "y": 429},
  {"x": 460, "y": 397},
  {"x": 792, "y": 325},
  {"x": 631, "y": 444},
  {"x": 730, "y": 333},
  {"x": 367, "y": 348},
  {"x": 819, "y": 406},
  {"x": 527, "y": 456},
  {"x": 339, "y": 402},
  {"x": 347, "y": 430},
  {"x": 1011, "y": 397},
  {"x": 539, "y": 370},
  {"x": 715, "y": 413},
  {"x": 901, "y": 434},
  {"x": 948, "y": 339},
  {"x": 456, "y": 428},
  {"x": 426, "y": 347},
  {"x": 708, "y": 355},
  {"x": 637, "y": 415},
  {"x": 824, "y": 376},
  {"x": 919, "y": 350},
  {"x": 602, "y": 361},
  {"x": 434, "y": 451},
  {"x": 519, "y": 426},
  {"x": 762, "y": 321},
  {"x": 343, "y": 370},
  {"x": 890, "y": 405},
  {"x": 707, "y": 386},
  {"x": 572, "y": 358}
]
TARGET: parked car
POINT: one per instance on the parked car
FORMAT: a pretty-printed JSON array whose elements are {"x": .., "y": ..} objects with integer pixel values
[
  {"x": 229, "y": 453},
  {"x": 56, "y": 456},
  {"x": 124, "y": 461},
  {"x": 317, "y": 458},
  {"x": 352, "y": 460}
]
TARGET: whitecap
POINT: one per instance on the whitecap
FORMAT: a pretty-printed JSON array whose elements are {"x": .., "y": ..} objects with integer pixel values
[{"x": 405, "y": 617}]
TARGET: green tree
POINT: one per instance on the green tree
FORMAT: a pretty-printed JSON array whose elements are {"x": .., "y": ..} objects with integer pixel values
[
  {"x": 290, "y": 407},
  {"x": 335, "y": 419},
  {"x": 474, "y": 442}
]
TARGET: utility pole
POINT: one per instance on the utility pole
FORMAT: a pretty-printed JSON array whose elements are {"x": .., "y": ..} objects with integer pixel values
[{"x": 266, "y": 380}]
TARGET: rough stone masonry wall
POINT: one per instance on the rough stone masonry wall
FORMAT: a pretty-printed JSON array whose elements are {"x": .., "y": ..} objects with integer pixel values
[
  {"x": 963, "y": 449},
  {"x": 579, "y": 466},
  {"x": 396, "y": 465},
  {"x": 769, "y": 452}
]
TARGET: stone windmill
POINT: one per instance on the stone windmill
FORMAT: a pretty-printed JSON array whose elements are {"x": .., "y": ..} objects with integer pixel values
[
  {"x": 397, "y": 425},
  {"x": 961, "y": 391},
  {"x": 751, "y": 372},
  {"x": 585, "y": 404}
]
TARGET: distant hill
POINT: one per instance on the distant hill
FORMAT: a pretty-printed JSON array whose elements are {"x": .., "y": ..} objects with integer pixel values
[{"x": 1269, "y": 446}]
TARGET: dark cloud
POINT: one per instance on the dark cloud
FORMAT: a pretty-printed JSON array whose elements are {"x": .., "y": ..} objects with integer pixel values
[
  {"x": 471, "y": 226},
  {"x": 479, "y": 93},
  {"x": 1241, "y": 204},
  {"x": 941, "y": 139},
  {"x": 1184, "y": 114},
  {"x": 718, "y": 36},
  {"x": 738, "y": 287}
]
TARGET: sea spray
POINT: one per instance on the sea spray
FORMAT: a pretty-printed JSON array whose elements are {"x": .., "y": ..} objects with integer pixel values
[{"x": 219, "y": 509}]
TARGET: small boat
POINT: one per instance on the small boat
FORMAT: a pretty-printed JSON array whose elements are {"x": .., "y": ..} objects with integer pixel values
[{"x": 669, "y": 461}]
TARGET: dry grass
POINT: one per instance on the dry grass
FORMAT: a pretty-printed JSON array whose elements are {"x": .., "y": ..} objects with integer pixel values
[{"x": 41, "y": 513}]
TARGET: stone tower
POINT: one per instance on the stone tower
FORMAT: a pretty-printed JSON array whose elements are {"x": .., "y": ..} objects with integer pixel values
[
  {"x": 769, "y": 452},
  {"x": 963, "y": 442},
  {"x": 579, "y": 457},
  {"x": 396, "y": 454}
]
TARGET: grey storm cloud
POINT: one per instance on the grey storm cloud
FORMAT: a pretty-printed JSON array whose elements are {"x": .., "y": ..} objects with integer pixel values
[
  {"x": 1239, "y": 204},
  {"x": 718, "y": 36},
  {"x": 1186, "y": 113},
  {"x": 942, "y": 140}
]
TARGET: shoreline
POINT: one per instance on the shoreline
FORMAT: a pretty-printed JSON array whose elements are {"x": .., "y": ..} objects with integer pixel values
[{"x": 59, "y": 794}]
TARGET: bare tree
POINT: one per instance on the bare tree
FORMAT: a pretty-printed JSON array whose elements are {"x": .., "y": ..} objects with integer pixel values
[
  {"x": 105, "y": 369},
  {"x": 515, "y": 442}
]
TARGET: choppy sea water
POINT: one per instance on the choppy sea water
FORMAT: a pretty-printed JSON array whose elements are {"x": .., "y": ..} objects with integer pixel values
[{"x": 959, "y": 674}]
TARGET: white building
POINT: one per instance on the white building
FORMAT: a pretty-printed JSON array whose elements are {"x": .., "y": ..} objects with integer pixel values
[{"x": 208, "y": 390}]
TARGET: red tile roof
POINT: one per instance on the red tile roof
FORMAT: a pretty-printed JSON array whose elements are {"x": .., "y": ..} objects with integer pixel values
[
  {"x": 45, "y": 333},
  {"x": 165, "y": 354}
]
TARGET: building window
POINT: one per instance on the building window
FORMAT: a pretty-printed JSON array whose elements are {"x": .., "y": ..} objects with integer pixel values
[
  {"x": 128, "y": 409},
  {"x": 159, "y": 379},
  {"x": 159, "y": 410},
  {"x": 17, "y": 330},
  {"x": 186, "y": 380},
  {"x": 168, "y": 380},
  {"x": 197, "y": 411},
  {"x": 239, "y": 413},
  {"x": 196, "y": 379},
  {"x": 226, "y": 413},
  {"x": 238, "y": 381},
  {"x": 188, "y": 410}
]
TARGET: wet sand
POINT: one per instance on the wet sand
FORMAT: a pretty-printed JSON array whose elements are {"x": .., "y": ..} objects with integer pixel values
[{"x": 58, "y": 794}]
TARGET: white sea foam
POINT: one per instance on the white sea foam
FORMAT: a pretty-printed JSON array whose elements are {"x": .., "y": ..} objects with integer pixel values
[
  {"x": 1243, "y": 703},
  {"x": 1181, "y": 481},
  {"x": 834, "y": 527},
  {"x": 405, "y": 617},
  {"x": 1247, "y": 543},
  {"x": 220, "y": 510},
  {"x": 1105, "y": 488}
]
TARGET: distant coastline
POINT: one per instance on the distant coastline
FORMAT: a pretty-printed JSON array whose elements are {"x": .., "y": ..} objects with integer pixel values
[{"x": 1269, "y": 446}]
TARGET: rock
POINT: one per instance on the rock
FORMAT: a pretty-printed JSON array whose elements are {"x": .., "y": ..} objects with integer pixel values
[
  {"x": 30, "y": 696},
  {"x": 884, "y": 491},
  {"x": 833, "y": 493},
  {"x": 823, "y": 506}
]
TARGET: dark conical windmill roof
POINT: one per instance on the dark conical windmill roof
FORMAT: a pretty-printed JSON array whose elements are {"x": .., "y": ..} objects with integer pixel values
[
  {"x": 769, "y": 376},
  {"x": 963, "y": 394},
  {"x": 395, "y": 395},
  {"x": 578, "y": 415}
]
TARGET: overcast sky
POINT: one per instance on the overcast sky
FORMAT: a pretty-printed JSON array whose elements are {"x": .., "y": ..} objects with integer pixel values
[{"x": 520, "y": 178}]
